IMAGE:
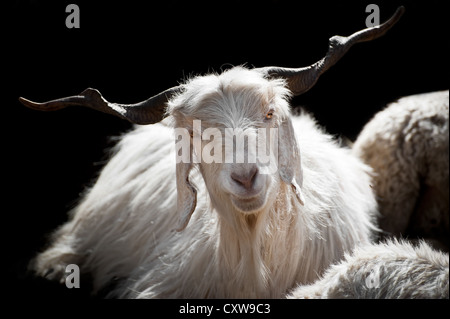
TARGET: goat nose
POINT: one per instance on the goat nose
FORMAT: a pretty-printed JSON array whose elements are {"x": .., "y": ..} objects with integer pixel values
[{"x": 245, "y": 179}]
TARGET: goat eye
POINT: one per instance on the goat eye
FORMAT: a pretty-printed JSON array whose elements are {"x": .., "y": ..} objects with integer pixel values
[{"x": 269, "y": 115}]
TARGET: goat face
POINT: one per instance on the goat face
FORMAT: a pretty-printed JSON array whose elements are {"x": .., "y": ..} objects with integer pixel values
[{"x": 240, "y": 135}]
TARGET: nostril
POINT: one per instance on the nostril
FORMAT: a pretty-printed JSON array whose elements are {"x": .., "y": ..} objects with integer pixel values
[
  {"x": 246, "y": 179},
  {"x": 253, "y": 173},
  {"x": 237, "y": 178}
]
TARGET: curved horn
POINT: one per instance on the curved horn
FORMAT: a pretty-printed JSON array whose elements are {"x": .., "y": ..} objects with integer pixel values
[
  {"x": 301, "y": 80},
  {"x": 146, "y": 112}
]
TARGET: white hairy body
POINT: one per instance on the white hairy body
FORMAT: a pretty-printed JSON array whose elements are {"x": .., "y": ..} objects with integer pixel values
[{"x": 124, "y": 228}]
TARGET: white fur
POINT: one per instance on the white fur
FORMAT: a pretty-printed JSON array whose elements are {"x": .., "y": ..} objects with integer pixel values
[
  {"x": 387, "y": 270},
  {"x": 124, "y": 227}
]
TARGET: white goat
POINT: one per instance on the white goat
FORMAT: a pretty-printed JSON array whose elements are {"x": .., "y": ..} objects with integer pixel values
[
  {"x": 252, "y": 234},
  {"x": 391, "y": 270},
  {"x": 407, "y": 145}
]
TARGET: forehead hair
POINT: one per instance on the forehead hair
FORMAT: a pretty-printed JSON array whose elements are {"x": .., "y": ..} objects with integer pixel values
[{"x": 229, "y": 98}]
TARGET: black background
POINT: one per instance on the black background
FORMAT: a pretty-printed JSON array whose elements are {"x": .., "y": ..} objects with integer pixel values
[{"x": 131, "y": 50}]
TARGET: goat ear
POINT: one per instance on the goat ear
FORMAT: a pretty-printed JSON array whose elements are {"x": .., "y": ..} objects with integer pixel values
[
  {"x": 289, "y": 161},
  {"x": 186, "y": 195},
  {"x": 186, "y": 192}
]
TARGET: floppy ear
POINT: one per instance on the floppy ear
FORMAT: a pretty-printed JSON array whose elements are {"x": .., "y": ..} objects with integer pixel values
[
  {"x": 186, "y": 195},
  {"x": 289, "y": 161},
  {"x": 186, "y": 192}
]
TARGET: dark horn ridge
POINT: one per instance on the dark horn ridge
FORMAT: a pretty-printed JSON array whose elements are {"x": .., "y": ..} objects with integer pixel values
[
  {"x": 149, "y": 111},
  {"x": 300, "y": 80}
]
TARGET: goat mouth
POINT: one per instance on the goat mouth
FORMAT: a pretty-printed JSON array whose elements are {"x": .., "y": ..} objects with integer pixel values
[{"x": 248, "y": 204}]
